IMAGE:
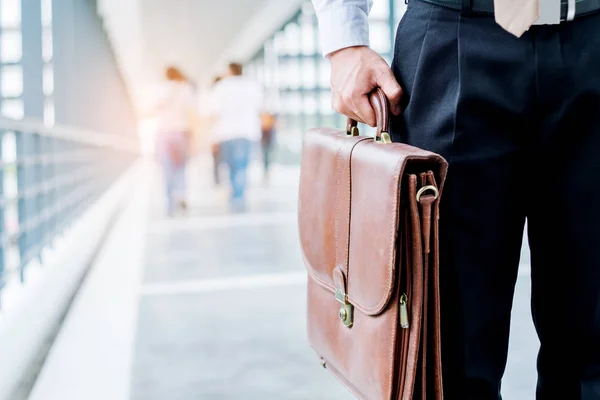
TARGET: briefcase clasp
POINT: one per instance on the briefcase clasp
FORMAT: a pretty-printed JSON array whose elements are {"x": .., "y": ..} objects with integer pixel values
[{"x": 346, "y": 312}]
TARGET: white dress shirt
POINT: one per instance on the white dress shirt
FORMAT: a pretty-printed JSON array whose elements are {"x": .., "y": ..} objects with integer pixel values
[
  {"x": 236, "y": 104},
  {"x": 343, "y": 23}
]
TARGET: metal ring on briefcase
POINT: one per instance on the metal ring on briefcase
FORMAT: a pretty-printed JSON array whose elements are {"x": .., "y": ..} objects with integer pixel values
[
  {"x": 424, "y": 189},
  {"x": 381, "y": 106}
]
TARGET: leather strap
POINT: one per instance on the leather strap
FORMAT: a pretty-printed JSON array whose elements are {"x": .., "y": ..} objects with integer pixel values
[
  {"x": 342, "y": 215},
  {"x": 422, "y": 261}
]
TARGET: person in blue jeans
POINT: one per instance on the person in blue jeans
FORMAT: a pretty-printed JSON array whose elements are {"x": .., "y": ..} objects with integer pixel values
[
  {"x": 175, "y": 101},
  {"x": 236, "y": 155},
  {"x": 237, "y": 103}
]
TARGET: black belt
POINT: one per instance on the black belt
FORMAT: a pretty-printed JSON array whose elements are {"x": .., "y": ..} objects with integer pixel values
[{"x": 569, "y": 8}]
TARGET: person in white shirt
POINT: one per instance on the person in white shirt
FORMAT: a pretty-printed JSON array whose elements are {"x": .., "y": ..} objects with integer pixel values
[
  {"x": 237, "y": 102},
  {"x": 173, "y": 106},
  {"x": 515, "y": 110}
]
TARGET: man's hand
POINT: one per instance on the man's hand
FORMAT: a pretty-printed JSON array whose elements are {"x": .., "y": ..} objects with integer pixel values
[{"x": 356, "y": 72}]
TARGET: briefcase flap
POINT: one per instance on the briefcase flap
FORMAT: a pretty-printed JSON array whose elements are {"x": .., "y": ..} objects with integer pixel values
[{"x": 349, "y": 204}]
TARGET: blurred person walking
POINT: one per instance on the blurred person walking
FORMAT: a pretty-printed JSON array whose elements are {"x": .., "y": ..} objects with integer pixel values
[
  {"x": 214, "y": 148},
  {"x": 514, "y": 108},
  {"x": 174, "y": 106},
  {"x": 237, "y": 103},
  {"x": 267, "y": 139}
]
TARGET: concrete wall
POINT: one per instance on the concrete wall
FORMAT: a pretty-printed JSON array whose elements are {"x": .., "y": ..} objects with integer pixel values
[{"x": 89, "y": 89}]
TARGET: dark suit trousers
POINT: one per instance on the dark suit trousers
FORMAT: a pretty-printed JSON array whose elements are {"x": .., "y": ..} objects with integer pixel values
[{"x": 518, "y": 120}]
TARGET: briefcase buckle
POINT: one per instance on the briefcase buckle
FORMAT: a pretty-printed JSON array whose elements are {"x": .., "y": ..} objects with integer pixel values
[{"x": 346, "y": 312}]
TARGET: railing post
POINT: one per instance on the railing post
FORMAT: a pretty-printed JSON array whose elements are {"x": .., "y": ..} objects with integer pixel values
[
  {"x": 24, "y": 202},
  {"x": 37, "y": 199},
  {"x": 50, "y": 196}
]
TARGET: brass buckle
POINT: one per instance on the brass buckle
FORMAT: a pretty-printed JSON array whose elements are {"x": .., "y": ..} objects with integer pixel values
[
  {"x": 385, "y": 138},
  {"x": 353, "y": 131},
  {"x": 346, "y": 313},
  {"x": 424, "y": 189}
]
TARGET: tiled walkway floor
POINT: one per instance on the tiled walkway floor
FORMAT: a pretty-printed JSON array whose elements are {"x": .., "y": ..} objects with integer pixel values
[{"x": 222, "y": 311}]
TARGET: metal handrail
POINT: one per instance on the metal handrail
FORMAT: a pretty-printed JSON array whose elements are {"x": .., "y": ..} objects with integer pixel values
[
  {"x": 84, "y": 136},
  {"x": 57, "y": 172}
]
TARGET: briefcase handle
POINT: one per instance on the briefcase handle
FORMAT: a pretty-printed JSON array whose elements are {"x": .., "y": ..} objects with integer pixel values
[{"x": 381, "y": 106}]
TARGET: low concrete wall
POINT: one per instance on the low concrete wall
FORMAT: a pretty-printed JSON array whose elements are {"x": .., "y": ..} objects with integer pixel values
[
  {"x": 91, "y": 358},
  {"x": 25, "y": 329}
]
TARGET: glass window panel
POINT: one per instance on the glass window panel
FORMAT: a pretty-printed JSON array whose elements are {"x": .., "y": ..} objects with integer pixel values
[
  {"x": 366, "y": 130},
  {"x": 13, "y": 108},
  {"x": 310, "y": 122},
  {"x": 294, "y": 103},
  {"x": 256, "y": 70},
  {"x": 269, "y": 75},
  {"x": 276, "y": 73},
  {"x": 270, "y": 62},
  {"x": 279, "y": 43},
  {"x": 308, "y": 39},
  {"x": 296, "y": 125},
  {"x": 292, "y": 39},
  {"x": 283, "y": 74},
  {"x": 250, "y": 70},
  {"x": 399, "y": 10},
  {"x": 48, "y": 80},
  {"x": 12, "y": 81},
  {"x": 259, "y": 72},
  {"x": 282, "y": 105},
  {"x": 325, "y": 103},
  {"x": 47, "y": 13},
  {"x": 380, "y": 37},
  {"x": 324, "y": 73},
  {"x": 295, "y": 77},
  {"x": 308, "y": 9},
  {"x": 308, "y": 18},
  {"x": 309, "y": 73},
  {"x": 270, "y": 100},
  {"x": 10, "y": 17},
  {"x": 329, "y": 121},
  {"x": 47, "y": 47},
  {"x": 9, "y": 147},
  {"x": 310, "y": 103},
  {"x": 283, "y": 122},
  {"x": 380, "y": 9},
  {"x": 11, "y": 46},
  {"x": 49, "y": 112}
]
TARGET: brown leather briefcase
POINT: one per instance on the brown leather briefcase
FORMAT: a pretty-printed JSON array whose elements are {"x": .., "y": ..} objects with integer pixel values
[{"x": 368, "y": 220}]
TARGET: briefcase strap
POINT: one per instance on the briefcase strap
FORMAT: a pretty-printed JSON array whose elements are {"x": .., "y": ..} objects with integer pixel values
[{"x": 422, "y": 231}]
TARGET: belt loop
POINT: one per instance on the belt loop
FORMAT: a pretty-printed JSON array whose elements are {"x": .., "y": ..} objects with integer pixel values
[
  {"x": 466, "y": 8},
  {"x": 571, "y": 8}
]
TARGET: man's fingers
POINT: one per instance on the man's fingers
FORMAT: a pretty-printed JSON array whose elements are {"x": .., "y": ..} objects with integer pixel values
[
  {"x": 387, "y": 82},
  {"x": 343, "y": 108},
  {"x": 358, "y": 108},
  {"x": 355, "y": 72},
  {"x": 364, "y": 110}
]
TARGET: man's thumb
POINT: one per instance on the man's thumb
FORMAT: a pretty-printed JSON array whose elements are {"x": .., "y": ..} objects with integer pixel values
[{"x": 387, "y": 82}]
